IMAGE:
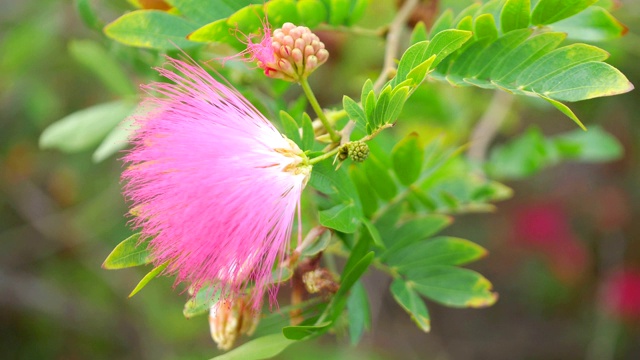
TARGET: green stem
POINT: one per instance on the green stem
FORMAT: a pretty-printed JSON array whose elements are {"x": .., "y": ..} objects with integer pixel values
[
  {"x": 327, "y": 155},
  {"x": 316, "y": 107}
]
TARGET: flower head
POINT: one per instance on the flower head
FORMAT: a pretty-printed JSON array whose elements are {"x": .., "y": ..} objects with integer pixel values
[
  {"x": 290, "y": 53},
  {"x": 214, "y": 184}
]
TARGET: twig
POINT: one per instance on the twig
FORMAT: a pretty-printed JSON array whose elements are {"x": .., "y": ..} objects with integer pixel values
[
  {"x": 393, "y": 42},
  {"x": 488, "y": 125},
  {"x": 390, "y": 54}
]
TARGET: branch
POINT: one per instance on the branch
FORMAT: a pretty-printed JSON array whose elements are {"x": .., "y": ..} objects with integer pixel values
[
  {"x": 488, "y": 126},
  {"x": 391, "y": 52},
  {"x": 393, "y": 42}
]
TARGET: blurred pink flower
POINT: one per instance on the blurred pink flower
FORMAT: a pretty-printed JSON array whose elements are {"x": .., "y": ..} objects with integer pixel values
[
  {"x": 545, "y": 228},
  {"x": 622, "y": 294},
  {"x": 213, "y": 184}
]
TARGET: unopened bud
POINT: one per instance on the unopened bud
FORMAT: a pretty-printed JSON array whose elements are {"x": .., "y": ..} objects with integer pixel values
[
  {"x": 358, "y": 151},
  {"x": 291, "y": 53},
  {"x": 228, "y": 319},
  {"x": 320, "y": 280}
]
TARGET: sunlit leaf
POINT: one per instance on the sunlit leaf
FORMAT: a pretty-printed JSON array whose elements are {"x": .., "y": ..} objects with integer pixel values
[
  {"x": 129, "y": 253},
  {"x": 147, "y": 278},
  {"x": 152, "y": 29},
  {"x": 452, "y": 286}
]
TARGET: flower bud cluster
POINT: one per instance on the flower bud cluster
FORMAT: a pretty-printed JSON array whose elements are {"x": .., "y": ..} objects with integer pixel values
[
  {"x": 228, "y": 319},
  {"x": 297, "y": 52},
  {"x": 358, "y": 151}
]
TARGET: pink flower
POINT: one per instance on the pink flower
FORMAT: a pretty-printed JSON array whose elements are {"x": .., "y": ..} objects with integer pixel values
[{"x": 214, "y": 184}]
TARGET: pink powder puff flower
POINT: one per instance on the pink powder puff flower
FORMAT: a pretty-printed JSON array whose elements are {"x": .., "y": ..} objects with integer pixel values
[{"x": 214, "y": 184}]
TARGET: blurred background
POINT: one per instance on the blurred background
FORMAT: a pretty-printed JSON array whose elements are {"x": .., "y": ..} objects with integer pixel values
[{"x": 564, "y": 251}]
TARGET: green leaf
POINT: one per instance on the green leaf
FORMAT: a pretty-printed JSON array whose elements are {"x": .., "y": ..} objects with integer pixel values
[
  {"x": 281, "y": 11},
  {"x": 200, "y": 304},
  {"x": 419, "y": 73},
  {"x": 87, "y": 14},
  {"x": 358, "y": 312},
  {"x": 129, "y": 253},
  {"x": 399, "y": 96},
  {"x": 249, "y": 19},
  {"x": 445, "y": 43},
  {"x": 302, "y": 332},
  {"x": 444, "y": 22},
  {"x": 379, "y": 178},
  {"x": 595, "y": 145},
  {"x": 444, "y": 250},
  {"x": 469, "y": 11},
  {"x": 342, "y": 217},
  {"x": 319, "y": 245},
  {"x": 204, "y": 12},
  {"x": 370, "y": 109},
  {"x": 551, "y": 11},
  {"x": 280, "y": 275},
  {"x": 453, "y": 286},
  {"x": 413, "y": 231},
  {"x": 354, "y": 111},
  {"x": 116, "y": 140},
  {"x": 593, "y": 24},
  {"x": 367, "y": 198},
  {"x": 339, "y": 11},
  {"x": 496, "y": 51},
  {"x": 335, "y": 183},
  {"x": 373, "y": 232},
  {"x": 564, "y": 109},
  {"x": 348, "y": 279},
  {"x": 150, "y": 276},
  {"x": 151, "y": 29},
  {"x": 217, "y": 31},
  {"x": 290, "y": 128},
  {"x": 459, "y": 68},
  {"x": 411, "y": 302},
  {"x": 358, "y": 9},
  {"x": 559, "y": 60},
  {"x": 521, "y": 157},
  {"x": 382, "y": 104},
  {"x": 85, "y": 128},
  {"x": 466, "y": 24},
  {"x": 308, "y": 135},
  {"x": 507, "y": 70},
  {"x": 484, "y": 27},
  {"x": 515, "y": 15},
  {"x": 408, "y": 156},
  {"x": 257, "y": 349},
  {"x": 584, "y": 81},
  {"x": 412, "y": 57},
  {"x": 312, "y": 12},
  {"x": 419, "y": 33},
  {"x": 95, "y": 58},
  {"x": 366, "y": 89}
]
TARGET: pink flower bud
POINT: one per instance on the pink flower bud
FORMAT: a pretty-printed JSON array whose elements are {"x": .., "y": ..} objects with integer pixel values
[{"x": 285, "y": 54}]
